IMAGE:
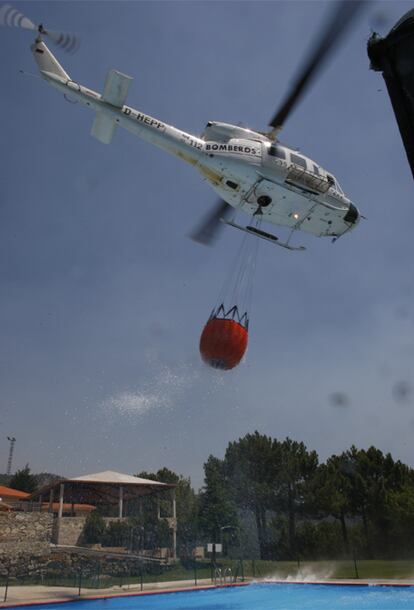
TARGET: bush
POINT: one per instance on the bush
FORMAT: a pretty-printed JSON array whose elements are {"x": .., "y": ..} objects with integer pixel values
[
  {"x": 94, "y": 529},
  {"x": 321, "y": 540},
  {"x": 117, "y": 534}
]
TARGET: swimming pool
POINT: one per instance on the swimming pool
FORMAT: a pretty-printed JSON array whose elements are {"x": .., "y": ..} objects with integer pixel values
[{"x": 263, "y": 597}]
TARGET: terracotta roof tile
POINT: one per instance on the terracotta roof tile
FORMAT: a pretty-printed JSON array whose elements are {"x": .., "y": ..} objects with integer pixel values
[{"x": 8, "y": 491}]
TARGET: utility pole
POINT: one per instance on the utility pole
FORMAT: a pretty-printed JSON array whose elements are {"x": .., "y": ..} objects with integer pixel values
[{"x": 9, "y": 461}]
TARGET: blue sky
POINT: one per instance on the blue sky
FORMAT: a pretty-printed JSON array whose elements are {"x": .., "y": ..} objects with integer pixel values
[{"x": 103, "y": 295}]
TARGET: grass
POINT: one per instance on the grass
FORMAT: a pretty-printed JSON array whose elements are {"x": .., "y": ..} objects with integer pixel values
[{"x": 338, "y": 569}]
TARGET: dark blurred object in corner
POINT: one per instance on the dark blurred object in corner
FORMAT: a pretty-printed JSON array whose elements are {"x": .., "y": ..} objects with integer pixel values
[{"x": 394, "y": 57}]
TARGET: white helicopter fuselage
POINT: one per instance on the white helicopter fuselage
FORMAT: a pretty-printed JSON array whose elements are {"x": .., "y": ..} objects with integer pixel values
[{"x": 244, "y": 167}]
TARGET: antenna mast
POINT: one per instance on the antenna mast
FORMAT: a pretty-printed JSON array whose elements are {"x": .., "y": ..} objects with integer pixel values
[{"x": 9, "y": 461}]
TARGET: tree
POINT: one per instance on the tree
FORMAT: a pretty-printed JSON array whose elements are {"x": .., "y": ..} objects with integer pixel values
[
  {"x": 23, "y": 480},
  {"x": 329, "y": 492},
  {"x": 294, "y": 466},
  {"x": 372, "y": 489},
  {"x": 187, "y": 510},
  {"x": 321, "y": 540},
  {"x": 380, "y": 494},
  {"x": 249, "y": 468},
  {"x": 217, "y": 509},
  {"x": 186, "y": 507},
  {"x": 401, "y": 506}
]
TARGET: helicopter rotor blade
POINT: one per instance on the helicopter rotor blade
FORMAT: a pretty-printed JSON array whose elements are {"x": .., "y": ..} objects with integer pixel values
[
  {"x": 68, "y": 42},
  {"x": 13, "y": 18},
  {"x": 9, "y": 16},
  {"x": 207, "y": 232},
  {"x": 339, "y": 20}
]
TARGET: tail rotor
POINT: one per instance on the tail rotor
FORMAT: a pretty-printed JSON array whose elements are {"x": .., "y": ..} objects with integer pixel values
[{"x": 11, "y": 17}]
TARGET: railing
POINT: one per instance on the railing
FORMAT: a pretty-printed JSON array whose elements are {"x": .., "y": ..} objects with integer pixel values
[
  {"x": 218, "y": 575},
  {"x": 303, "y": 178},
  {"x": 89, "y": 577},
  {"x": 239, "y": 571},
  {"x": 66, "y": 581},
  {"x": 26, "y": 507}
]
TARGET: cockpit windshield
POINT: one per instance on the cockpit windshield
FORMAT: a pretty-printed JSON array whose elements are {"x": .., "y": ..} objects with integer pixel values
[
  {"x": 334, "y": 183},
  {"x": 338, "y": 188}
]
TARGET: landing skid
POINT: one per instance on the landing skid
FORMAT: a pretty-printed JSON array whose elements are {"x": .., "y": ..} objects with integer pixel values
[{"x": 263, "y": 235}]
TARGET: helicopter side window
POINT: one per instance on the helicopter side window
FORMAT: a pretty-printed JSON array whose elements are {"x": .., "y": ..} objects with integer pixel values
[
  {"x": 316, "y": 170},
  {"x": 298, "y": 160},
  {"x": 277, "y": 151}
]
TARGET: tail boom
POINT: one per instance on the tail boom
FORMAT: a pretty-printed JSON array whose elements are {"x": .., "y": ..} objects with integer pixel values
[{"x": 112, "y": 112}]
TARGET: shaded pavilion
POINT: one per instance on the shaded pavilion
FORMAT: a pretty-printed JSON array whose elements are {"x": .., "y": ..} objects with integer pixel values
[{"x": 103, "y": 489}]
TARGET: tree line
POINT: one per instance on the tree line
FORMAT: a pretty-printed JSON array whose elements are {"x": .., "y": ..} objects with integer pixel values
[
  {"x": 360, "y": 501},
  {"x": 273, "y": 499}
]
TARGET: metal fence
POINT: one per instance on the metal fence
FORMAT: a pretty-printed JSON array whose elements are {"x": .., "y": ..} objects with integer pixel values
[
  {"x": 58, "y": 580},
  {"x": 87, "y": 579}
]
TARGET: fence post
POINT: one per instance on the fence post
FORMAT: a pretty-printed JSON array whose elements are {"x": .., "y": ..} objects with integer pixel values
[
  {"x": 195, "y": 573},
  {"x": 7, "y": 585},
  {"x": 80, "y": 581},
  {"x": 141, "y": 579},
  {"x": 242, "y": 569},
  {"x": 355, "y": 564}
]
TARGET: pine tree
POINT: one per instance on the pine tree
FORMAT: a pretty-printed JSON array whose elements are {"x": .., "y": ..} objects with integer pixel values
[{"x": 23, "y": 480}]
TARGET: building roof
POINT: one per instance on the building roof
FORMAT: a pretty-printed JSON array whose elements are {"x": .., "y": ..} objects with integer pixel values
[
  {"x": 102, "y": 488},
  {"x": 112, "y": 477},
  {"x": 10, "y": 492}
]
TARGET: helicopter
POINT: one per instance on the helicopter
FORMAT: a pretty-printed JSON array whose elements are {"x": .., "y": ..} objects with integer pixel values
[{"x": 251, "y": 171}]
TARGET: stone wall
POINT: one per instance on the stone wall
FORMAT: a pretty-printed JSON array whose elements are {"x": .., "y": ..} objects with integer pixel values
[
  {"x": 23, "y": 538},
  {"x": 69, "y": 530},
  {"x": 26, "y": 549},
  {"x": 90, "y": 563},
  {"x": 64, "y": 564},
  {"x": 29, "y": 532}
]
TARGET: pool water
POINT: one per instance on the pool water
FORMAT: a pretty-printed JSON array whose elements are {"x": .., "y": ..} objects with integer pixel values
[{"x": 263, "y": 597}]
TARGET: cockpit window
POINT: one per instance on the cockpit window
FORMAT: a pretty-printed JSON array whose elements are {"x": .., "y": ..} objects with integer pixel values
[
  {"x": 334, "y": 183},
  {"x": 298, "y": 160},
  {"x": 277, "y": 151},
  {"x": 338, "y": 188}
]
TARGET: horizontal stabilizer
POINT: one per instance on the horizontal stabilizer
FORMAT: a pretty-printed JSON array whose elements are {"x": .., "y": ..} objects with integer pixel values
[
  {"x": 103, "y": 128},
  {"x": 116, "y": 88}
]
